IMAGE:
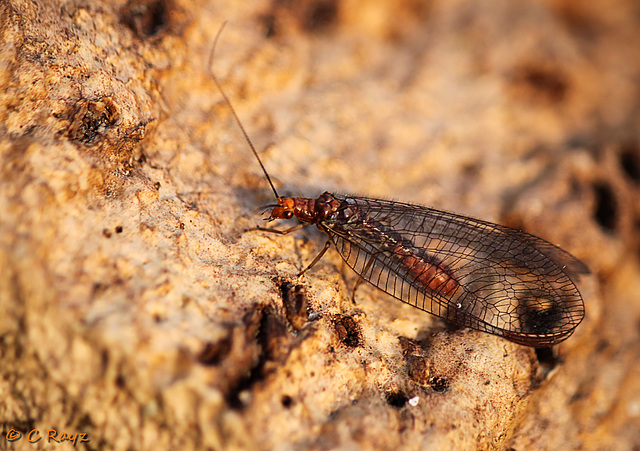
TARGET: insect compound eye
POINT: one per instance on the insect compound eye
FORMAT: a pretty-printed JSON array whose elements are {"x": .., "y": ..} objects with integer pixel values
[{"x": 287, "y": 214}]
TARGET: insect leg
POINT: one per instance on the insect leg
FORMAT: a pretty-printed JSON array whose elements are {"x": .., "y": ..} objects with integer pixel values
[
  {"x": 360, "y": 278},
  {"x": 318, "y": 257},
  {"x": 278, "y": 231},
  {"x": 358, "y": 282}
]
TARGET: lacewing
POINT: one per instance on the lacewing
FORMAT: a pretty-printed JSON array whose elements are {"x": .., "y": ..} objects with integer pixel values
[{"x": 469, "y": 272}]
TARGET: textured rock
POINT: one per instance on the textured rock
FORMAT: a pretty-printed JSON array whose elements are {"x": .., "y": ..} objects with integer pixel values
[{"x": 137, "y": 311}]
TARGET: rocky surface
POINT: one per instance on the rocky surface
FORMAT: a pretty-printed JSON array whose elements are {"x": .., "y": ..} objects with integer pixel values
[{"x": 139, "y": 311}]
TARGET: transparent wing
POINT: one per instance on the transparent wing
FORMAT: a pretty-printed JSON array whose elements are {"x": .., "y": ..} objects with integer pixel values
[{"x": 472, "y": 273}]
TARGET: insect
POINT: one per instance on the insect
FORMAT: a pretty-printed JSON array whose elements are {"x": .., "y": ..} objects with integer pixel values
[{"x": 469, "y": 272}]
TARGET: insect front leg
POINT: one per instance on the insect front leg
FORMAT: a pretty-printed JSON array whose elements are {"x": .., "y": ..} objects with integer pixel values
[
  {"x": 277, "y": 231},
  {"x": 293, "y": 229}
]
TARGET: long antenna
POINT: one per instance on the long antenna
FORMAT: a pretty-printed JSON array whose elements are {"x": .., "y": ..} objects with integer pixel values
[{"x": 228, "y": 102}]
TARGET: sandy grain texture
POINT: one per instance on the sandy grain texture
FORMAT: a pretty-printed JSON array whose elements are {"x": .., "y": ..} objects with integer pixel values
[{"x": 134, "y": 307}]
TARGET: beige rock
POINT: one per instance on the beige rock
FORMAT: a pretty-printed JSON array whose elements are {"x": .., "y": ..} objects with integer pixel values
[{"x": 134, "y": 307}]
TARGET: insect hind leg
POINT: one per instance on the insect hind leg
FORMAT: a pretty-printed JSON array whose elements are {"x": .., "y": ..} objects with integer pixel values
[{"x": 360, "y": 278}]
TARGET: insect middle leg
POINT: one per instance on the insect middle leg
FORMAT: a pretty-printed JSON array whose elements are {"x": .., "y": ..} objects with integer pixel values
[{"x": 318, "y": 257}]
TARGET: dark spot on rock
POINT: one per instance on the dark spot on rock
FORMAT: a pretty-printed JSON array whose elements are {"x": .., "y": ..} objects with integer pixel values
[
  {"x": 396, "y": 399},
  {"x": 92, "y": 120},
  {"x": 537, "y": 82},
  {"x": 214, "y": 353},
  {"x": 294, "y": 299},
  {"x": 582, "y": 24},
  {"x": 547, "y": 357},
  {"x": 606, "y": 206},
  {"x": 120, "y": 381},
  {"x": 439, "y": 384},
  {"x": 269, "y": 25},
  {"x": 147, "y": 18},
  {"x": 417, "y": 369},
  {"x": 246, "y": 368},
  {"x": 630, "y": 161},
  {"x": 319, "y": 15},
  {"x": 273, "y": 336},
  {"x": 348, "y": 331},
  {"x": 306, "y": 16},
  {"x": 287, "y": 401},
  {"x": 119, "y": 229}
]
